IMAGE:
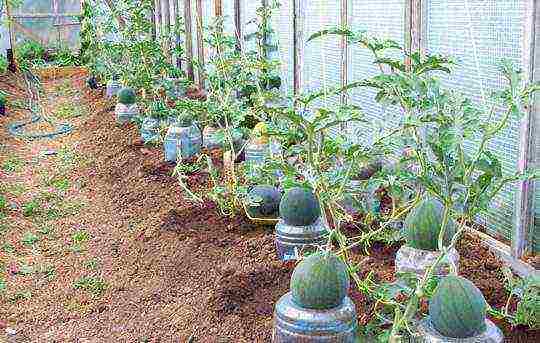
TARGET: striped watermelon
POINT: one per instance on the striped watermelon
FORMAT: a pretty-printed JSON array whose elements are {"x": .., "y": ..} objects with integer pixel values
[
  {"x": 423, "y": 225},
  {"x": 320, "y": 281},
  {"x": 299, "y": 207},
  {"x": 458, "y": 308}
]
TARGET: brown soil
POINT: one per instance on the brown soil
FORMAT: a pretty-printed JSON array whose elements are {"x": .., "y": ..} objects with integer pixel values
[{"x": 175, "y": 271}]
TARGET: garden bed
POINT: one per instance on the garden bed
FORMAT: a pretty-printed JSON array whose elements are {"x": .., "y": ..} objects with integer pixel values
[{"x": 171, "y": 270}]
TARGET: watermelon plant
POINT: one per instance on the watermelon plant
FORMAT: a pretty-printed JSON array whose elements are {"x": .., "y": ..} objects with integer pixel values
[{"x": 436, "y": 126}]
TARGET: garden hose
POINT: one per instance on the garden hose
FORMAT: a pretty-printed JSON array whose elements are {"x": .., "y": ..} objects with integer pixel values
[{"x": 17, "y": 129}]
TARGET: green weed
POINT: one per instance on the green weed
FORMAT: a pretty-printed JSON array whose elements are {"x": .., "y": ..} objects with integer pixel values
[
  {"x": 94, "y": 285},
  {"x": 20, "y": 296},
  {"x": 12, "y": 164},
  {"x": 8, "y": 248},
  {"x": 30, "y": 238},
  {"x": 31, "y": 208}
]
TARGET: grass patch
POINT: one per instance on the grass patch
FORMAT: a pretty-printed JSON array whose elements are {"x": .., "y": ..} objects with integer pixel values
[
  {"x": 8, "y": 248},
  {"x": 69, "y": 111},
  {"x": 65, "y": 89},
  {"x": 31, "y": 208},
  {"x": 12, "y": 164},
  {"x": 14, "y": 189},
  {"x": 20, "y": 296},
  {"x": 30, "y": 238},
  {"x": 62, "y": 184},
  {"x": 91, "y": 284}
]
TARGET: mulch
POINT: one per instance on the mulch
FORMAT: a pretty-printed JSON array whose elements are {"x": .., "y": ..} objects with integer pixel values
[{"x": 177, "y": 270}]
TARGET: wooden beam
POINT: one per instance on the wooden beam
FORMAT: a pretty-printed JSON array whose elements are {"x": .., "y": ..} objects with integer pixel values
[
  {"x": 238, "y": 24},
  {"x": 200, "y": 40},
  {"x": 189, "y": 39},
  {"x": 524, "y": 199}
]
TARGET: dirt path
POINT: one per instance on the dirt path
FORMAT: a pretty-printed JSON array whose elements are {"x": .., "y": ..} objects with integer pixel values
[{"x": 97, "y": 243}]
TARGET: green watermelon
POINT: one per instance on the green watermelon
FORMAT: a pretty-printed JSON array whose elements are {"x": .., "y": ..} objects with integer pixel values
[
  {"x": 184, "y": 120},
  {"x": 320, "y": 281},
  {"x": 127, "y": 96},
  {"x": 267, "y": 198},
  {"x": 299, "y": 207},
  {"x": 423, "y": 225},
  {"x": 458, "y": 309}
]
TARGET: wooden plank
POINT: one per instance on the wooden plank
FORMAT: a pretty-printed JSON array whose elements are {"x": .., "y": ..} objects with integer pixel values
[
  {"x": 238, "y": 24},
  {"x": 189, "y": 39},
  {"x": 200, "y": 40},
  {"x": 524, "y": 199}
]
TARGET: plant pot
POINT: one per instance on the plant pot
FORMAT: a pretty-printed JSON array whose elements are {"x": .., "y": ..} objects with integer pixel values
[
  {"x": 150, "y": 130},
  {"x": 293, "y": 323},
  {"x": 177, "y": 90},
  {"x": 293, "y": 241},
  {"x": 416, "y": 261},
  {"x": 182, "y": 143},
  {"x": 113, "y": 87},
  {"x": 125, "y": 113},
  {"x": 426, "y": 333}
]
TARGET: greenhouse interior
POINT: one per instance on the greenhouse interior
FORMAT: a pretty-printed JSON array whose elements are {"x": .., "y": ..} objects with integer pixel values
[{"x": 270, "y": 171}]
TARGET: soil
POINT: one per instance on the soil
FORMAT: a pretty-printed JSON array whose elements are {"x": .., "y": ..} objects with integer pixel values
[{"x": 172, "y": 270}]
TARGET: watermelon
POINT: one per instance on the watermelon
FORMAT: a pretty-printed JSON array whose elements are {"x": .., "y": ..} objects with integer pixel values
[
  {"x": 127, "y": 96},
  {"x": 423, "y": 225},
  {"x": 184, "y": 120},
  {"x": 299, "y": 207},
  {"x": 267, "y": 199},
  {"x": 458, "y": 308},
  {"x": 320, "y": 281}
]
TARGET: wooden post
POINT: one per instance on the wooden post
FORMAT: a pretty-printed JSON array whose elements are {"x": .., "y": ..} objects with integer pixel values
[
  {"x": 298, "y": 43},
  {"x": 218, "y": 8},
  {"x": 524, "y": 206},
  {"x": 189, "y": 39},
  {"x": 12, "y": 42},
  {"x": 159, "y": 22},
  {"x": 177, "y": 38},
  {"x": 200, "y": 40},
  {"x": 167, "y": 28},
  {"x": 344, "y": 22},
  {"x": 414, "y": 26},
  {"x": 238, "y": 24}
]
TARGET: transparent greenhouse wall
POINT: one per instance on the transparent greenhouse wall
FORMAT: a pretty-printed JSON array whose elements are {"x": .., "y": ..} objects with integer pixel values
[
  {"x": 282, "y": 23},
  {"x": 479, "y": 33},
  {"x": 382, "y": 19},
  {"x": 321, "y": 67},
  {"x": 40, "y": 20}
]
